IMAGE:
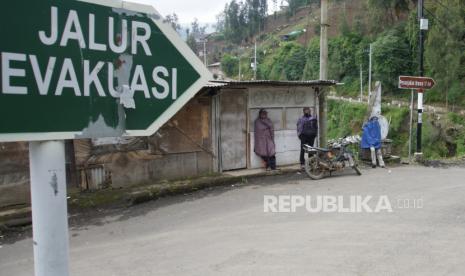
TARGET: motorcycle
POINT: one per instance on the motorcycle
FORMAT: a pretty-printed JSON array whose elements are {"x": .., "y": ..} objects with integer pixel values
[{"x": 336, "y": 157}]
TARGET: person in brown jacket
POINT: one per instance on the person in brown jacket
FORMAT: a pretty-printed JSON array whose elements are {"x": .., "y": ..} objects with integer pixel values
[{"x": 264, "y": 139}]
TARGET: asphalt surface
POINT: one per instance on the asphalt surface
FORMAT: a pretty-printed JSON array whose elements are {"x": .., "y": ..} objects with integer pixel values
[{"x": 225, "y": 231}]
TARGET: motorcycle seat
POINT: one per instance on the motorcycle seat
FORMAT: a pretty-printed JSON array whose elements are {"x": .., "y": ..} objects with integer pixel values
[{"x": 320, "y": 149}]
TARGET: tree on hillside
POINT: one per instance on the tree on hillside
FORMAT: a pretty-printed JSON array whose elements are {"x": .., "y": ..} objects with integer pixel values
[
  {"x": 294, "y": 5},
  {"x": 445, "y": 51},
  {"x": 174, "y": 21},
  {"x": 232, "y": 22},
  {"x": 242, "y": 20},
  {"x": 312, "y": 66},
  {"x": 195, "y": 34},
  {"x": 198, "y": 31},
  {"x": 230, "y": 65},
  {"x": 256, "y": 15},
  {"x": 286, "y": 64},
  {"x": 387, "y": 12},
  {"x": 191, "y": 41},
  {"x": 392, "y": 57},
  {"x": 219, "y": 26}
]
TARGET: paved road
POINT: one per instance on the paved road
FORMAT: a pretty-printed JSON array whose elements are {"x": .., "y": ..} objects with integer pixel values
[{"x": 226, "y": 232}]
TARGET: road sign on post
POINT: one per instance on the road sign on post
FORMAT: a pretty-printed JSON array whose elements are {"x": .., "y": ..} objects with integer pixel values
[
  {"x": 75, "y": 69},
  {"x": 84, "y": 69},
  {"x": 420, "y": 83}
]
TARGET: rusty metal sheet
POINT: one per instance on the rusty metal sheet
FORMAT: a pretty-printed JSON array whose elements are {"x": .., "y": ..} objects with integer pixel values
[
  {"x": 187, "y": 131},
  {"x": 14, "y": 157}
]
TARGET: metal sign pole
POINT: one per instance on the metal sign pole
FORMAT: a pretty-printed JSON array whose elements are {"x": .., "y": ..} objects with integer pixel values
[
  {"x": 421, "y": 71},
  {"x": 369, "y": 72},
  {"x": 361, "y": 83},
  {"x": 410, "y": 128},
  {"x": 420, "y": 121},
  {"x": 49, "y": 208}
]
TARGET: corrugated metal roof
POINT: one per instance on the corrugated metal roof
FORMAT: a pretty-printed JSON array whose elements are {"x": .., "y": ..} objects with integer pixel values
[
  {"x": 277, "y": 83},
  {"x": 215, "y": 84},
  {"x": 214, "y": 64}
]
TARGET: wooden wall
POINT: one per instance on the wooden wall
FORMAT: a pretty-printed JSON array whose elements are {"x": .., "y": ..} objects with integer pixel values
[
  {"x": 181, "y": 148},
  {"x": 14, "y": 174}
]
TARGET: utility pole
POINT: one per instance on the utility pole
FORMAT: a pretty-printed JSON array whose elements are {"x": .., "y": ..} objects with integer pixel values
[
  {"x": 49, "y": 208},
  {"x": 423, "y": 27},
  {"x": 361, "y": 84},
  {"x": 369, "y": 72},
  {"x": 255, "y": 61},
  {"x": 239, "y": 68},
  {"x": 205, "y": 51},
  {"x": 323, "y": 71},
  {"x": 410, "y": 128}
]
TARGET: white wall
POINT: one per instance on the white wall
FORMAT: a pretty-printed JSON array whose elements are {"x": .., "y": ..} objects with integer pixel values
[
  {"x": 287, "y": 149},
  {"x": 284, "y": 106}
]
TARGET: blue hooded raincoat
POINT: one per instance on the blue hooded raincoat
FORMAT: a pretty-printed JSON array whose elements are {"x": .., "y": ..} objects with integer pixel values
[{"x": 371, "y": 134}]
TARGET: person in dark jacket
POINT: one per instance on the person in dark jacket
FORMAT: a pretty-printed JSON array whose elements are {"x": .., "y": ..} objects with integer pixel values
[
  {"x": 264, "y": 139},
  {"x": 307, "y": 130}
]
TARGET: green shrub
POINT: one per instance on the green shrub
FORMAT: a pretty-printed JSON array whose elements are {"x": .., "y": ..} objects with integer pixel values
[
  {"x": 287, "y": 62},
  {"x": 345, "y": 118},
  {"x": 456, "y": 118},
  {"x": 230, "y": 65}
]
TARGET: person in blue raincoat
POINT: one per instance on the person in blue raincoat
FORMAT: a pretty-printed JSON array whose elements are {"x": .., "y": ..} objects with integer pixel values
[{"x": 371, "y": 139}]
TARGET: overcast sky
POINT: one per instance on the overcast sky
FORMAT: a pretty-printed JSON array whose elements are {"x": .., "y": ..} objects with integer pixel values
[{"x": 204, "y": 10}]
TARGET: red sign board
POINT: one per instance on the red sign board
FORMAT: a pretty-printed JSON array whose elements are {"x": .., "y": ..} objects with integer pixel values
[{"x": 409, "y": 82}]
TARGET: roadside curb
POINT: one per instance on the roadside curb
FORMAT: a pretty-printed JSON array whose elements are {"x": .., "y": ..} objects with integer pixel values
[
  {"x": 127, "y": 197},
  {"x": 15, "y": 217},
  {"x": 156, "y": 191},
  {"x": 153, "y": 192}
]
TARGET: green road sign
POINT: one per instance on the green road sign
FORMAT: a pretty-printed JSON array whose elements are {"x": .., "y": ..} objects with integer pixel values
[{"x": 102, "y": 68}]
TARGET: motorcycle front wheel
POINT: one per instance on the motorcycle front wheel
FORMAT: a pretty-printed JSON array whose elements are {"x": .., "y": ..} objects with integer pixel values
[
  {"x": 357, "y": 169},
  {"x": 354, "y": 164},
  {"x": 312, "y": 169}
]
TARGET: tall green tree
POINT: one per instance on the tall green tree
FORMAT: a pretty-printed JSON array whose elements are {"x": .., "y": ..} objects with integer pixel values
[
  {"x": 173, "y": 20},
  {"x": 445, "y": 50},
  {"x": 191, "y": 41},
  {"x": 195, "y": 34},
  {"x": 240, "y": 21},
  {"x": 294, "y": 5},
  {"x": 392, "y": 57},
  {"x": 233, "y": 22},
  {"x": 256, "y": 15},
  {"x": 387, "y": 12}
]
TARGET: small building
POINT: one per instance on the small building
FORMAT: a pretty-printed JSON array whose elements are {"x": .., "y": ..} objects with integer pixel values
[
  {"x": 215, "y": 69},
  {"x": 212, "y": 133},
  {"x": 236, "y": 105}
]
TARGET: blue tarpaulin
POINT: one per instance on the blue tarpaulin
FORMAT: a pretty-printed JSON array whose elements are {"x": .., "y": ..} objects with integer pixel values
[{"x": 371, "y": 134}]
